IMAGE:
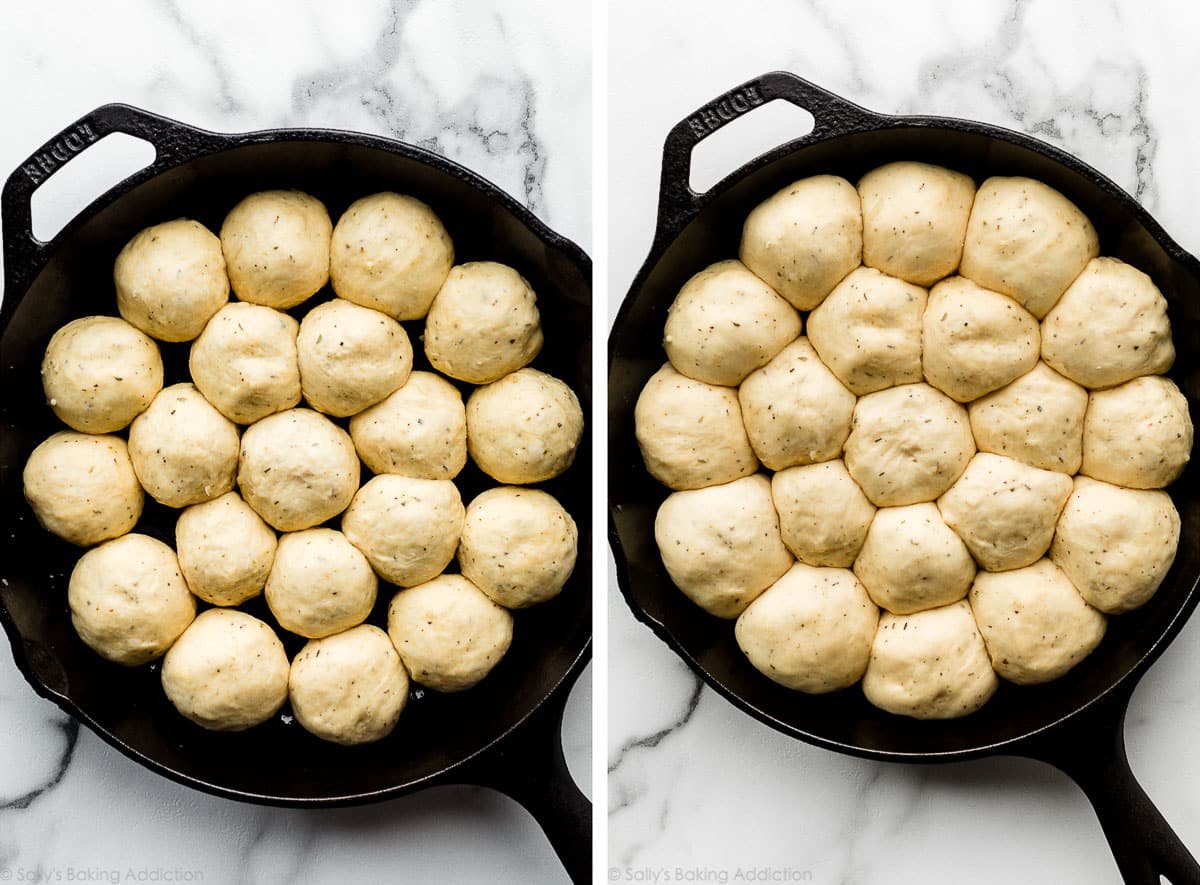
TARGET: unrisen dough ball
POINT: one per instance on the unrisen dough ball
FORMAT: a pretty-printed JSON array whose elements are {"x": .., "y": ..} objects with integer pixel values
[
  {"x": 225, "y": 550},
  {"x": 276, "y": 246},
  {"x": 721, "y": 545},
  {"x": 350, "y": 688},
  {"x": 795, "y": 410},
  {"x": 868, "y": 331},
  {"x": 908, "y": 444},
  {"x": 483, "y": 324},
  {"x": 320, "y": 584},
  {"x": 245, "y": 362},
  {"x": 297, "y": 469},
  {"x": 82, "y": 487},
  {"x": 128, "y": 601},
  {"x": 1115, "y": 544},
  {"x": 227, "y": 672},
  {"x": 811, "y": 630},
  {"x": 1027, "y": 241},
  {"x": 1034, "y": 622},
  {"x": 1137, "y": 435},
  {"x": 99, "y": 373},
  {"x": 518, "y": 546},
  {"x": 407, "y": 528},
  {"x": 420, "y": 430},
  {"x": 1110, "y": 326},
  {"x": 725, "y": 323},
  {"x": 170, "y": 279},
  {"x": 805, "y": 238},
  {"x": 390, "y": 252},
  {"x": 915, "y": 219},
  {"x": 823, "y": 514},
  {"x": 691, "y": 433},
  {"x": 448, "y": 633},
  {"x": 524, "y": 428},
  {"x": 183, "y": 450}
]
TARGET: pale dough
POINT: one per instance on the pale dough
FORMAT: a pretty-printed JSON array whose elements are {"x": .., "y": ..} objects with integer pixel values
[
  {"x": 823, "y": 514},
  {"x": 1138, "y": 434},
  {"x": 225, "y": 550},
  {"x": 276, "y": 246},
  {"x": 420, "y": 430},
  {"x": 320, "y": 584}
]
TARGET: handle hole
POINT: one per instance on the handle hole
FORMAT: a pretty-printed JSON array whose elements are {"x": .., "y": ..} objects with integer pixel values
[{"x": 766, "y": 127}]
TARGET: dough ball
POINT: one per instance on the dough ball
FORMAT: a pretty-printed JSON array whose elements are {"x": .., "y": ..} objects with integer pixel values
[
  {"x": 183, "y": 450},
  {"x": 725, "y": 323},
  {"x": 1034, "y": 622},
  {"x": 128, "y": 601},
  {"x": 297, "y": 469},
  {"x": 420, "y": 430},
  {"x": 912, "y": 561},
  {"x": 99, "y": 373},
  {"x": 929, "y": 665},
  {"x": 975, "y": 340},
  {"x": 1110, "y": 327},
  {"x": 82, "y": 487},
  {"x": 524, "y": 428},
  {"x": 350, "y": 357},
  {"x": 721, "y": 545},
  {"x": 390, "y": 252},
  {"x": 691, "y": 433},
  {"x": 449, "y": 634},
  {"x": 350, "y": 688},
  {"x": 320, "y": 584},
  {"x": 276, "y": 246},
  {"x": 795, "y": 410},
  {"x": 170, "y": 279},
  {"x": 1005, "y": 510},
  {"x": 1115, "y": 544},
  {"x": 907, "y": 444},
  {"x": 227, "y": 672},
  {"x": 805, "y": 238},
  {"x": 823, "y": 514},
  {"x": 245, "y": 362},
  {"x": 1138, "y": 434},
  {"x": 225, "y": 550},
  {"x": 1037, "y": 419},
  {"x": 1027, "y": 241},
  {"x": 868, "y": 331},
  {"x": 407, "y": 528},
  {"x": 483, "y": 324},
  {"x": 811, "y": 630}
]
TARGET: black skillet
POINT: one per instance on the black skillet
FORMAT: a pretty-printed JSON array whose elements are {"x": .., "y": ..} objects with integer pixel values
[
  {"x": 1074, "y": 723},
  {"x": 502, "y": 734}
]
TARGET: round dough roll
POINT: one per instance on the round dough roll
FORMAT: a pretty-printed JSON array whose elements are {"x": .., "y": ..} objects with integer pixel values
[
  {"x": 1138, "y": 434},
  {"x": 420, "y": 430},
  {"x": 320, "y": 584},
  {"x": 225, "y": 550},
  {"x": 276, "y": 246},
  {"x": 823, "y": 514}
]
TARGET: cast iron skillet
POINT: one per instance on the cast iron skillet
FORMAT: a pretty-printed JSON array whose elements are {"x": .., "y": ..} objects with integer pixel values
[
  {"x": 1074, "y": 723},
  {"x": 502, "y": 734}
]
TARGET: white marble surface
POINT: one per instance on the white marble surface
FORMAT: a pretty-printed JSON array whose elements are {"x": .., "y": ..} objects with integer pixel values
[
  {"x": 693, "y": 782},
  {"x": 503, "y": 88}
]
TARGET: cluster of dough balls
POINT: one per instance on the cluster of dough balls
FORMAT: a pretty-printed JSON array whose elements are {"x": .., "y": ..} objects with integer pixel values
[
  {"x": 916, "y": 436},
  {"x": 264, "y": 444}
]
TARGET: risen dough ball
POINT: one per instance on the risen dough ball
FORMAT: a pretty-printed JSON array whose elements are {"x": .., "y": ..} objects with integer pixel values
[
  {"x": 448, "y": 633},
  {"x": 390, "y": 253},
  {"x": 811, "y": 630},
  {"x": 82, "y": 487},
  {"x": 227, "y": 672},
  {"x": 483, "y": 324},
  {"x": 1037, "y": 419},
  {"x": 350, "y": 688},
  {"x": 823, "y": 514},
  {"x": 320, "y": 584},
  {"x": 420, "y": 430},
  {"x": 297, "y": 469},
  {"x": 276, "y": 246},
  {"x": 868, "y": 331},
  {"x": 245, "y": 362},
  {"x": 725, "y": 323},
  {"x": 225, "y": 550},
  {"x": 1027, "y": 241},
  {"x": 128, "y": 600},
  {"x": 1115, "y": 544},
  {"x": 907, "y": 444},
  {"x": 1137, "y": 435},
  {"x": 721, "y": 545},
  {"x": 805, "y": 238},
  {"x": 518, "y": 546},
  {"x": 170, "y": 279},
  {"x": 407, "y": 528},
  {"x": 99, "y": 373},
  {"x": 795, "y": 410},
  {"x": 691, "y": 433}
]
